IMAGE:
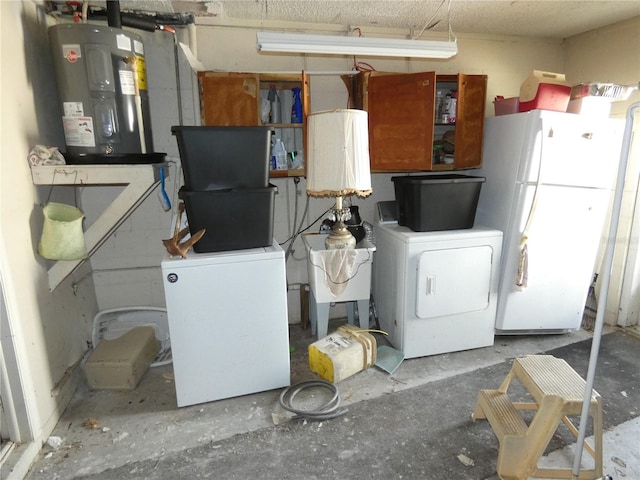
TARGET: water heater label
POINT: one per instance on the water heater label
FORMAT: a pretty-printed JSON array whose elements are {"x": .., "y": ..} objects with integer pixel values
[
  {"x": 138, "y": 47},
  {"x": 71, "y": 52},
  {"x": 123, "y": 42},
  {"x": 78, "y": 131},
  {"x": 141, "y": 66},
  {"x": 127, "y": 83},
  {"x": 73, "y": 109}
]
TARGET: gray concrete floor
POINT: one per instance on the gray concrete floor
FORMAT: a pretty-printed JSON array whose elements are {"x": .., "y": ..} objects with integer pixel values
[{"x": 104, "y": 430}]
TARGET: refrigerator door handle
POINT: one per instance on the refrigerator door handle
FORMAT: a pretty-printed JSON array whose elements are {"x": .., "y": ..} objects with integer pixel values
[{"x": 523, "y": 262}]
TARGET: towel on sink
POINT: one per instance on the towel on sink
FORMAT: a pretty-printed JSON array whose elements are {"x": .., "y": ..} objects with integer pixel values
[{"x": 338, "y": 266}]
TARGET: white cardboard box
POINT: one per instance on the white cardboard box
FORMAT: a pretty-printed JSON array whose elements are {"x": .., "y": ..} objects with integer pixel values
[{"x": 593, "y": 106}]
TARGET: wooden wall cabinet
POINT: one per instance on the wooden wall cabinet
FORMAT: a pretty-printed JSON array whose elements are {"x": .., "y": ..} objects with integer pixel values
[
  {"x": 403, "y": 127},
  {"x": 234, "y": 99}
]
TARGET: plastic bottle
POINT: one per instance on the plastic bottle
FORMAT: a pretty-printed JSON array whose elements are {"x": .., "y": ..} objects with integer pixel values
[
  {"x": 446, "y": 108},
  {"x": 279, "y": 154},
  {"x": 453, "y": 105},
  {"x": 274, "y": 100},
  {"x": 439, "y": 106},
  {"x": 296, "y": 109},
  {"x": 272, "y": 156}
]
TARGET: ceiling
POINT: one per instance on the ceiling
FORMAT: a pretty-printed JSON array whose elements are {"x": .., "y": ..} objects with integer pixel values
[{"x": 539, "y": 18}]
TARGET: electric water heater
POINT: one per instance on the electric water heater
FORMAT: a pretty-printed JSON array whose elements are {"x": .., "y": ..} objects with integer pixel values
[{"x": 102, "y": 85}]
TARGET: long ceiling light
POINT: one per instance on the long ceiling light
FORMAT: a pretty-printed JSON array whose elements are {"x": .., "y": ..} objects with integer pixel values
[{"x": 344, "y": 45}]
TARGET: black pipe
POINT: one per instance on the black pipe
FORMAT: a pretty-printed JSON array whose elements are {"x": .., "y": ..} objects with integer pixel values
[
  {"x": 114, "y": 19},
  {"x": 141, "y": 23}
]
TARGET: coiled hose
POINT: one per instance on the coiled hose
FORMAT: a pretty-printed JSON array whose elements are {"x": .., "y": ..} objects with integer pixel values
[{"x": 329, "y": 410}]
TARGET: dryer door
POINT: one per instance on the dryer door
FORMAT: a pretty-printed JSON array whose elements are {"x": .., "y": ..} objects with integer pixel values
[{"x": 452, "y": 281}]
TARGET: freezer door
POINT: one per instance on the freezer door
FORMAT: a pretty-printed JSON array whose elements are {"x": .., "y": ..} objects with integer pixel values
[
  {"x": 562, "y": 243},
  {"x": 452, "y": 281},
  {"x": 572, "y": 149}
]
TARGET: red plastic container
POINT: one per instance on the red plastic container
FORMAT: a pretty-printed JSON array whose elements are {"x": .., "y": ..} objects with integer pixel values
[
  {"x": 506, "y": 106},
  {"x": 548, "y": 97}
]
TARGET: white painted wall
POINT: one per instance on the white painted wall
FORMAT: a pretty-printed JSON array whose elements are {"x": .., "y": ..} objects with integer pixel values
[
  {"x": 612, "y": 54},
  {"x": 44, "y": 332}
]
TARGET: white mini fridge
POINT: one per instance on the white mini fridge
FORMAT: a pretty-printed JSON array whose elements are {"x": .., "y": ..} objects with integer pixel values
[
  {"x": 227, "y": 314},
  {"x": 436, "y": 292}
]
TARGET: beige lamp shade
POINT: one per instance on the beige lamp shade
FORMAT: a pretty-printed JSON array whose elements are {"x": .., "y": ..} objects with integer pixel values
[{"x": 337, "y": 154}]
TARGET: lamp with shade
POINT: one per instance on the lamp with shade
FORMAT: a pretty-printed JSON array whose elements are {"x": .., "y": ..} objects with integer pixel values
[{"x": 338, "y": 164}]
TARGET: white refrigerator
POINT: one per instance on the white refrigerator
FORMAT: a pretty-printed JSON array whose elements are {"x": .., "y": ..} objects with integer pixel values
[{"x": 549, "y": 179}]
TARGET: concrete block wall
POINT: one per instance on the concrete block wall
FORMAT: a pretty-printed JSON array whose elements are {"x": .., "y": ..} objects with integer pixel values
[{"x": 126, "y": 269}]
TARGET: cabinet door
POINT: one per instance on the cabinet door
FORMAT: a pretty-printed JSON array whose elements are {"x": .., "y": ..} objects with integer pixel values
[
  {"x": 229, "y": 99},
  {"x": 401, "y": 112},
  {"x": 470, "y": 120}
]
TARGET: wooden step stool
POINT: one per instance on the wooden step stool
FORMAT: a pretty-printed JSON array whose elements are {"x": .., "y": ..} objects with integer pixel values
[{"x": 557, "y": 391}]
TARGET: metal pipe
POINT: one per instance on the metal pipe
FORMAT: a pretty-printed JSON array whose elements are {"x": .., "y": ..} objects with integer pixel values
[
  {"x": 114, "y": 19},
  {"x": 141, "y": 23},
  {"x": 604, "y": 291}
]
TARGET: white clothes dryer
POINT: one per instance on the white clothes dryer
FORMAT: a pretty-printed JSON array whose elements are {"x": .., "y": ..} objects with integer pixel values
[{"x": 436, "y": 292}]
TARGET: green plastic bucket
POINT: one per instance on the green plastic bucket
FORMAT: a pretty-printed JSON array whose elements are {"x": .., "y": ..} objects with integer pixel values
[{"x": 62, "y": 236}]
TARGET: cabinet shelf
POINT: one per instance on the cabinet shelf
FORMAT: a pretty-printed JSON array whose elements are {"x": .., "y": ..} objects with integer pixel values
[
  {"x": 283, "y": 125},
  {"x": 139, "y": 182},
  {"x": 297, "y": 172}
]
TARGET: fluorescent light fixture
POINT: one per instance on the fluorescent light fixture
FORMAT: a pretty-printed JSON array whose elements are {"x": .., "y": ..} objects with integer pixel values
[{"x": 344, "y": 45}]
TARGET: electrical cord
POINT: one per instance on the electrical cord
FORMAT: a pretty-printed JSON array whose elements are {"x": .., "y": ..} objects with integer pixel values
[
  {"x": 331, "y": 409},
  {"x": 302, "y": 230}
]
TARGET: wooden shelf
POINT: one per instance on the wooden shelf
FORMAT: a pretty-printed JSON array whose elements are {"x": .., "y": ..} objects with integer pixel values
[
  {"x": 283, "y": 125},
  {"x": 139, "y": 181},
  {"x": 298, "y": 172}
]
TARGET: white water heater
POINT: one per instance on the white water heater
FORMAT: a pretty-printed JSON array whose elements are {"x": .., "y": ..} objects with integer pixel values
[{"x": 102, "y": 85}]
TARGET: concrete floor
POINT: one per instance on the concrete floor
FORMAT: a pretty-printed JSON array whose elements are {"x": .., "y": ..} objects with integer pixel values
[{"x": 141, "y": 434}]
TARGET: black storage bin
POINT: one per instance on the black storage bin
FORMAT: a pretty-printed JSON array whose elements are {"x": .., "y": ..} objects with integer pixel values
[
  {"x": 214, "y": 158},
  {"x": 429, "y": 203},
  {"x": 235, "y": 219}
]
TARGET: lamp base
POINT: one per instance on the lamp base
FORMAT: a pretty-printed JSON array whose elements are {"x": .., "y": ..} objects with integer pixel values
[{"x": 339, "y": 238}]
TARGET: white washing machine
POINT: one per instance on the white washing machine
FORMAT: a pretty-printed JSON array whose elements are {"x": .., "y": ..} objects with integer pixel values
[{"x": 436, "y": 292}]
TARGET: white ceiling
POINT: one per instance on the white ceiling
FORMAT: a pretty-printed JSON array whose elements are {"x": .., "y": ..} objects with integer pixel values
[{"x": 540, "y": 18}]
